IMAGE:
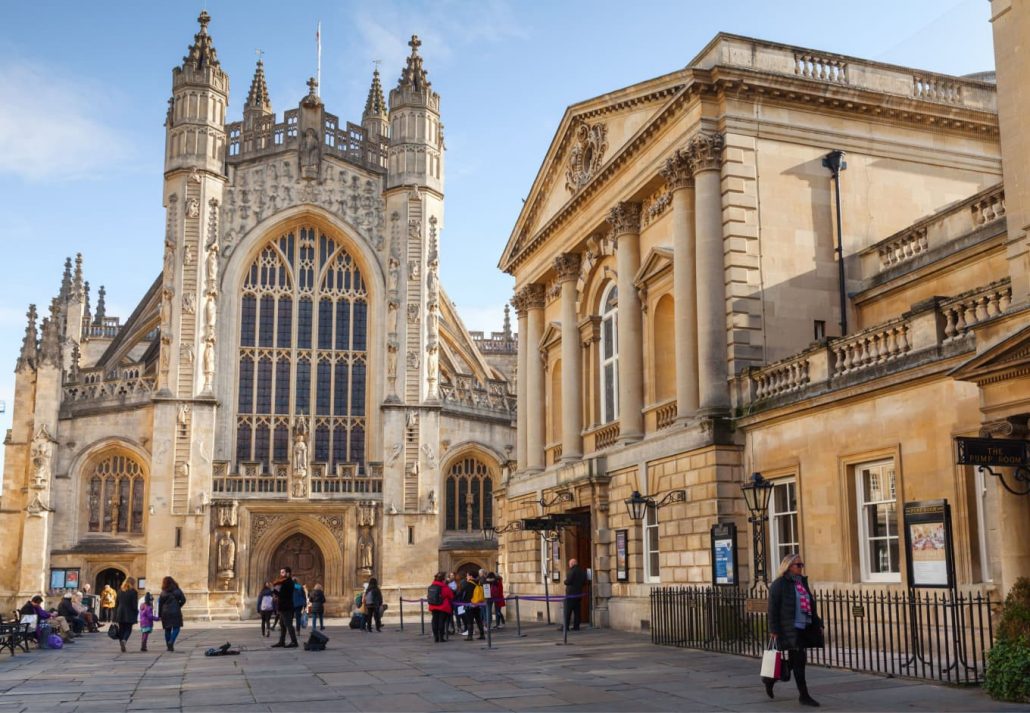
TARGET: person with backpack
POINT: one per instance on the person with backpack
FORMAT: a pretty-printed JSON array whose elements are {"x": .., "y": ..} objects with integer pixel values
[
  {"x": 287, "y": 594},
  {"x": 170, "y": 602},
  {"x": 472, "y": 592},
  {"x": 373, "y": 600},
  {"x": 439, "y": 597},
  {"x": 300, "y": 605},
  {"x": 266, "y": 607},
  {"x": 317, "y": 603}
]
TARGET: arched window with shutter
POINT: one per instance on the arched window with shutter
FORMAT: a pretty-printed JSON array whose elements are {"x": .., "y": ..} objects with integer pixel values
[{"x": 469, "y": 495}]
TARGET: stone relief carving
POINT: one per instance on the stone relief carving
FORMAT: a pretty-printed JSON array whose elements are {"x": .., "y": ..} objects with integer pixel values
[
  {"x": 226, "y": 512},
  {"x": 260, "y": 191},
  {"x": 413, "y": 311},
  {"x": 189, "y": 305},
  {"x": 37, "y": 506},
  {"x": 414, "y": 270},
  {"x": 187, "y": 353},
  {"x": 367, "y": 514},
  {"x": 413, "y": 359},
  {"x": 427, "y": 451},
  {"x": 334, "y": 523},
  {"x": 586, "y": 154},
  {"x": 260, "y": 524},
  {"x": 192, "y": 208}
]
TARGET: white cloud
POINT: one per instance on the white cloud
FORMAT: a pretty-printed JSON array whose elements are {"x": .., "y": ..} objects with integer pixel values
[{"x": 50, "y": 128}]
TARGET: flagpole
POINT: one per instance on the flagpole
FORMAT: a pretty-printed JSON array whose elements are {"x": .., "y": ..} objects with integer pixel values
[{"x": 318, "y": 70}]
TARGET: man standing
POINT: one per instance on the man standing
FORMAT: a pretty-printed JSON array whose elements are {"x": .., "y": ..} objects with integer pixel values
[
  {"x": 286, "y": 587},
  {"x": 574, "y": 583}
]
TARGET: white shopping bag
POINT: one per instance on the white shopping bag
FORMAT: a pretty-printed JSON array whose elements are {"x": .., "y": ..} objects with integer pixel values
[{"x": 771, "y": 664}]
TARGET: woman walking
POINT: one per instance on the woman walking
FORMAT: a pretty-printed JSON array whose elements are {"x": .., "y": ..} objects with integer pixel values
[
  {"x": 169, "y": 609},
  {"x": 125, "y": 610},
  {"x": 317, "y": 603},
  {"x": 146, "y": 619},
  {"x": 440, "y": 596},
  {"x": 266, "y": 607},
  {"x": 793, "y": 622}
]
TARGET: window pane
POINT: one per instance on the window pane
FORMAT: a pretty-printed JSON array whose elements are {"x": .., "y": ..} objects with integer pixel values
[
  {"x": 325, "y": 324},
  {"x": 343, "y": 324},
  {"x": 303, "y": 398},
  {"x": 243, "y": 443},
  {"x": 264, "y": 386},
  {"x": 340, "y": 390},
  {"x": 323, "y": 389},
  {"x": 357, "y": 446},
  {"x": 285, "y": 329},
  {"x": 246, "y": 399},
  {"x": 451, "y": 505},
  {"x": 463, "y": 496},
  {"x": 304, "y": 325},
  {"x": 609, "y": 393},
  {"x": 261, "y": 446},
  {"x": 322, "y": 444},
  {"x": 357, "y": 390},
  {"x": 360, "y": 319},
  {"x": 248, "y": 319},
  {"x": 339, "y": 446},
  {"x": 266, "y": 318},
  {"x": 281, "y": 443},
  {"x": 607, "y": 339},
  {"x": 282, "y": 385}
]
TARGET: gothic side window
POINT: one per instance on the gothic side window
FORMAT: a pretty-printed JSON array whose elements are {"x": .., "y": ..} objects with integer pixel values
[
  {"x": 115, "y": 495},
  {"x": 609, "y": 365},
  {"x": 302, "y": 352},
  {"x": 469, "y": 496}
]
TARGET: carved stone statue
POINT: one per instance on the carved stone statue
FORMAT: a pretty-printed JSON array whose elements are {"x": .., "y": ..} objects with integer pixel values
[
  {"x": 116, "y": 513},
  {"x": 210, "y": 316},
  {"x": 394, "y": 274},
  {"x": 189, "y": 303},
  {"x": 209, "y": 364},
  {"x": 300, "y": 454},
  {"x": 365, "y": 552},
  {"x": 309, "y": 154},
  {"x": 300, "y": 487},
  {"x": 42, "y": 448},
  {"x": 211, "y": 268},
  {"x": 432, "y": 365},
  {"x": 226, "y": 556}
]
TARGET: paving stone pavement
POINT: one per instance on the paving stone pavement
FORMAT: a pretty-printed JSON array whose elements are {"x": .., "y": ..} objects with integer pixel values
[{"x": 599, "y": 670}]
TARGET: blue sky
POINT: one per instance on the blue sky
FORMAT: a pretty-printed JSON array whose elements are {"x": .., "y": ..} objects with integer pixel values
[{"x": 84, "y": 86}]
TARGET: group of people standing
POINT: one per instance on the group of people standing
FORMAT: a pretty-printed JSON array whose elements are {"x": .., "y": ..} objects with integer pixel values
[
  {"x": 286, "y": 603},
  {"x": 131, "y": 609},
  {"x": 452, "y": 599}
]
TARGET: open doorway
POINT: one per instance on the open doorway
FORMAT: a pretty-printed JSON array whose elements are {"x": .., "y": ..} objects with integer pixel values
[{"x": 111, "y": 576}]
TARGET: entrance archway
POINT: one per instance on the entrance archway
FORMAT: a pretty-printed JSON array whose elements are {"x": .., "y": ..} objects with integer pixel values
[
  {"x": 111, "y": 576},
  {"x": 464, "y": 569},
  {"x": 300, "y": 553}
]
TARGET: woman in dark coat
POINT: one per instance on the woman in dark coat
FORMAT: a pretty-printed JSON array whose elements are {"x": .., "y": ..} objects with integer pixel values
[
  {"x": 169, "y": 609},
  {"x": 793, "y": 622},
  {"x": 126, "y": 611},
  {"x": 317, "y": 600}
]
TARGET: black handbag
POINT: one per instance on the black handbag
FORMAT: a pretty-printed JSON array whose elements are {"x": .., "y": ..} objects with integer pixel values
[
  {"x": 114, "y": 631},
  {"x": 812, "y": 636}
]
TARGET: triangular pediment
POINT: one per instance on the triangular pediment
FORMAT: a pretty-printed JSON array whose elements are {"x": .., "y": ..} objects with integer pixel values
[
  {"x": 551, "y": 335},
  {"x": 658, "y": 260},
  {"x": 1008, "y": 358},
  {"x": 589, "y": 140}
]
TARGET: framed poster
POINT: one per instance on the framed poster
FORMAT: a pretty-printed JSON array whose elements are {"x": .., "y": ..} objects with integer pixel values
[
  {"x": 621, "y": 560},
  {"x": 724, "y": 554},
  {"x": 928, "y": 544},
  {"x": 57, "y": 579},
  {"x": 141, "y": 584},
  {"x": 71, "y": 579},
  {"x": 556, "y": 561}
]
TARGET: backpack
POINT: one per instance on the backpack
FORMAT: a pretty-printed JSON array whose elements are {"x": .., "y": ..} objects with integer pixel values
[
  {"x": 477, "y": 594},
  {"x": 434, "y": 595},
  {"x": 266, "y": 603},
  {"x": 299, "y": 600}
]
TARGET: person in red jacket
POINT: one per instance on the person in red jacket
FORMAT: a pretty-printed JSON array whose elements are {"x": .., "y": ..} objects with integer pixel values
[
  {"x": 439, "y": 597},
  {"x": 497, "y": 595}
]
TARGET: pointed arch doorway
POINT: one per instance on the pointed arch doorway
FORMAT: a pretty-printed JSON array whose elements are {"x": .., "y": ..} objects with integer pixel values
[{"x": 300, "y": 553}]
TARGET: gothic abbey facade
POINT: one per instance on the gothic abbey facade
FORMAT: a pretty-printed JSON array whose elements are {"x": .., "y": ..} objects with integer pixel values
[{"x": 295, "y": 388}]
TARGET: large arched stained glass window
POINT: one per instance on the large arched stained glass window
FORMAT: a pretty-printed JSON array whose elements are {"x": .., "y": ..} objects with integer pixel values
[
  {"x": 469, "y": 498},
  {"x": 303, "y": 352},
  {"x": 115, "y": 495}
]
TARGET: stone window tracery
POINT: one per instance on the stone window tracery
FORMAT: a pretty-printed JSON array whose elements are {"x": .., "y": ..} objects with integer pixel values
[
  {"x": 303, "y": 351},
  {"x": 115, "y": 495},
  {"x": 469, "y": 496}
]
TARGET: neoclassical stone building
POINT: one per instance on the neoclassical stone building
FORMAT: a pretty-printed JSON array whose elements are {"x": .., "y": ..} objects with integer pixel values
[
  {"x": 294, "y": 389},
  {"x": 681, "y": 325}
]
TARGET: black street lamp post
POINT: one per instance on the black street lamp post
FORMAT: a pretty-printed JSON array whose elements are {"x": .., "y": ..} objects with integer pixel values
[
  {"x": 757, "y": 492},
  {"x": 638, "y": 504}
]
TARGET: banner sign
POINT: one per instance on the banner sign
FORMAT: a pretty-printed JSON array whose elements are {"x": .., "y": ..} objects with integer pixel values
[
  {"x": 621, "y": 560},
  {"x": 1004, "y": 452},
  {"x": 724, "y": 554}
]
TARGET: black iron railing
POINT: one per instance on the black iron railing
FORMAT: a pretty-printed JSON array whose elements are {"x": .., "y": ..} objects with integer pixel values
[{"x": 936, "y": 636}]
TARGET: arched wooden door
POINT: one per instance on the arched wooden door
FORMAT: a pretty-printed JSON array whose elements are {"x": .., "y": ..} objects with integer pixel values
[{"x": 301, "y": 554}]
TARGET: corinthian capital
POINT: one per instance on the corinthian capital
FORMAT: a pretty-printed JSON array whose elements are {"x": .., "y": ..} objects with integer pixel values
[
  {"x": 677, "y": 172},
  {"x": 529, "y": 297},
  {"x": 704, "y": 151},
  {"x": 567, "y": 266},
  {"x": 625, "y": 218}
]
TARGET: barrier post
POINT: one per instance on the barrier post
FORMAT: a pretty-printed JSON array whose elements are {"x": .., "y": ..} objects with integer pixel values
[
  {"x": 422, "y": 615},
  {"x": 489, "y": 629},
  {"x": 400, "y": 609},
  {"x": 518, "y": 618},
  {"x": 565, "y": 621}
]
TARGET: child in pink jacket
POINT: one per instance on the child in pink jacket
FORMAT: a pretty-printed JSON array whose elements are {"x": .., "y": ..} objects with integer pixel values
[{"x": 146, "y": 618}]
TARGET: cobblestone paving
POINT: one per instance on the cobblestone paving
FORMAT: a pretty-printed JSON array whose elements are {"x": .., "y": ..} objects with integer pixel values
[{"x": 599, "y": 670}]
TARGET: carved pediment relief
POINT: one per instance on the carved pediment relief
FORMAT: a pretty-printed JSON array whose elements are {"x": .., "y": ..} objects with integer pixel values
[{"x": 586, "y": 154}]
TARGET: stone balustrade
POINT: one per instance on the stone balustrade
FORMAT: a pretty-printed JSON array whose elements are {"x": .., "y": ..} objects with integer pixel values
[
  {"x": 552, "y": 453},
  {"x": 966, "y": 310},
  {"x": 847, "y": 72},
  {"x": 349, "y": 143},
  {"x": 466, "y": 391},
  {"x": 251, "y": 480},
  {"x": 960, "y": 219},
  {"x": 606, "y": 435},
  {"x": 97, "y": 386},
  {"x": 933, "y": 327}
]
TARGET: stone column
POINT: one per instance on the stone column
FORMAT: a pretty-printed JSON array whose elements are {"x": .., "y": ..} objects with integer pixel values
[
  {"x": 625, "y": 221},
  {"x": 684, "y": 284},
  {"x": 518, "y": 302},
  {"x": 705, "y": 159},
  {"x": 567, "y": 267},
  {"x": 535, "y": 414}
]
